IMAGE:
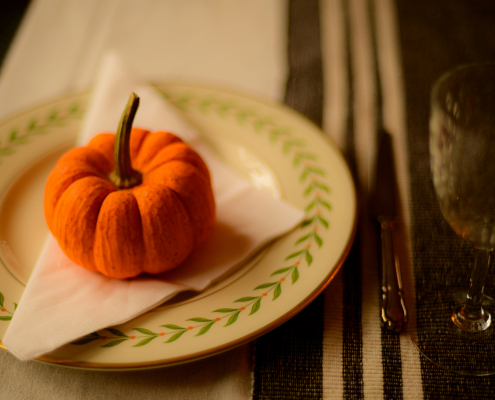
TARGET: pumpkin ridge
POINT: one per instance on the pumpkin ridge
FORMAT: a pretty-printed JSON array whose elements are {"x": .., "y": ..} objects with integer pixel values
[
  {"x": 104, "y": 144},
  {"x": 140, "y": 215},
  {"x": 102, "y": 178},
  {"x": 161, "y": 185},
  {"x": 93, "y": 261},
  {"x": 169, "y": 154},
  {"x": 196, "y": 195},
  {"x": 88, "y": 167},
  {"x": 60, "y": 185},
  {"x": 165, "y": 162},
  {"x": 180, "y": 200},
  {"x": 152, "y": 145},
  {"x": 109, "y": 271},
  {"x": 154, "y": 177},
  {"x": 87, "y": 156},
  {"x": 93, "y": 209},
  {"x": 137, "y": 143},
  {"x": 177, "y": 243},
  {"x": 164, "y": 165}
]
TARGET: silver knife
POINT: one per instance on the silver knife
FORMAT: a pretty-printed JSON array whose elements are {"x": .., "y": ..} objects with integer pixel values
[{"x": 383, "y": 204}]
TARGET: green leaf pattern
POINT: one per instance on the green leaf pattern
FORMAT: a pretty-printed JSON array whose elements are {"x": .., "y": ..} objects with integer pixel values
[
  {"x": 35, "y": 127},
  {"x": 5, "y": 313}
]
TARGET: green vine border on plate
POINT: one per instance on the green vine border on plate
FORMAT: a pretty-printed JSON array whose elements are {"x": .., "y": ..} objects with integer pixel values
[
  {"x": 22, "y": 135},
  {"x": 315, "y": 189},
  {"x": 19, "y": 136},
  {"x": 5, "y": 313}
]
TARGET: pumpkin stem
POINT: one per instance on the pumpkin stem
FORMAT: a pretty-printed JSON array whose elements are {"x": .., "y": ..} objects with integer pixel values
[{"x": 124, "y": 176}]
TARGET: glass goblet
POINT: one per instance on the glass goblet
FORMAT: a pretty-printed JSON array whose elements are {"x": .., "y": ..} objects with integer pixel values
[{"x": 462, "y": 160}]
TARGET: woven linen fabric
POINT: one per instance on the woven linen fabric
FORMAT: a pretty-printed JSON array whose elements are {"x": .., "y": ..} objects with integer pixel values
[
  {"x": 55, "y": 51},
  {"x": 436, "y": 37}
]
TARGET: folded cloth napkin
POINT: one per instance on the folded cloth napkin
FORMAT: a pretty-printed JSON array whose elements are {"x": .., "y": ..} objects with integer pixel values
[{"x": 63, "y": 301}]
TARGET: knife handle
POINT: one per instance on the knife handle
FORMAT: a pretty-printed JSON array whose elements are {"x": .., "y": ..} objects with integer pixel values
[{"x": 393, "y": 309}]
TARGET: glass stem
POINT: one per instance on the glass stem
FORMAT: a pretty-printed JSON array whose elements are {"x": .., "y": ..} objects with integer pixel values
[
  {"x": 471, "y": 319},
  {"x": 474, "y": 298}
]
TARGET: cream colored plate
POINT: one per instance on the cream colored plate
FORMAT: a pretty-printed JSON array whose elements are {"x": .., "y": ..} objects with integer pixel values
[{"x": 277, "y": 149}]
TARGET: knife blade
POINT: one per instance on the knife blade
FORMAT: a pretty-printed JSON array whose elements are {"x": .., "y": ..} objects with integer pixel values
[{"x": 384, "y": 197}]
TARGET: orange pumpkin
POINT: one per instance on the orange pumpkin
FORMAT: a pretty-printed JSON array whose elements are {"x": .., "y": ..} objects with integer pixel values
[{"x": 131, "y": 203}]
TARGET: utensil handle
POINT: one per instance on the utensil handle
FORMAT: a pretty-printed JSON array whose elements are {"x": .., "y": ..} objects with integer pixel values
[{"x": 393, "y": 308}]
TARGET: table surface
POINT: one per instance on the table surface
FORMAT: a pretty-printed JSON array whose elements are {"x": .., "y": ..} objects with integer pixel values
[{"x": 350, "y": 67}]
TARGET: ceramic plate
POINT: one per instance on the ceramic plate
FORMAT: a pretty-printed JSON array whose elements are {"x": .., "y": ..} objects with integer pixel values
[{"x": 277, "y": 149}]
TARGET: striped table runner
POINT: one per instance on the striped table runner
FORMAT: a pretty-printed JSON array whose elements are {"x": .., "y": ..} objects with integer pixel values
[{"x": 354, "y": 66}]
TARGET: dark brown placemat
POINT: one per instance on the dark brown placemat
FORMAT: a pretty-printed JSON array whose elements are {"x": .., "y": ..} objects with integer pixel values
[
  {"x": 435, "y": 37},
  {"x": 288, "y": 363}
]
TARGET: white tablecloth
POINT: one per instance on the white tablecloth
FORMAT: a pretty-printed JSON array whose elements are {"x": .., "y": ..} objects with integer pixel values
[{"x": 236, "y": 45}]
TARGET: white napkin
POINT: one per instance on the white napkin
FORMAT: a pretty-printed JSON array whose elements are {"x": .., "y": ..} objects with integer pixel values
[{"x": 63, "y": 301}]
